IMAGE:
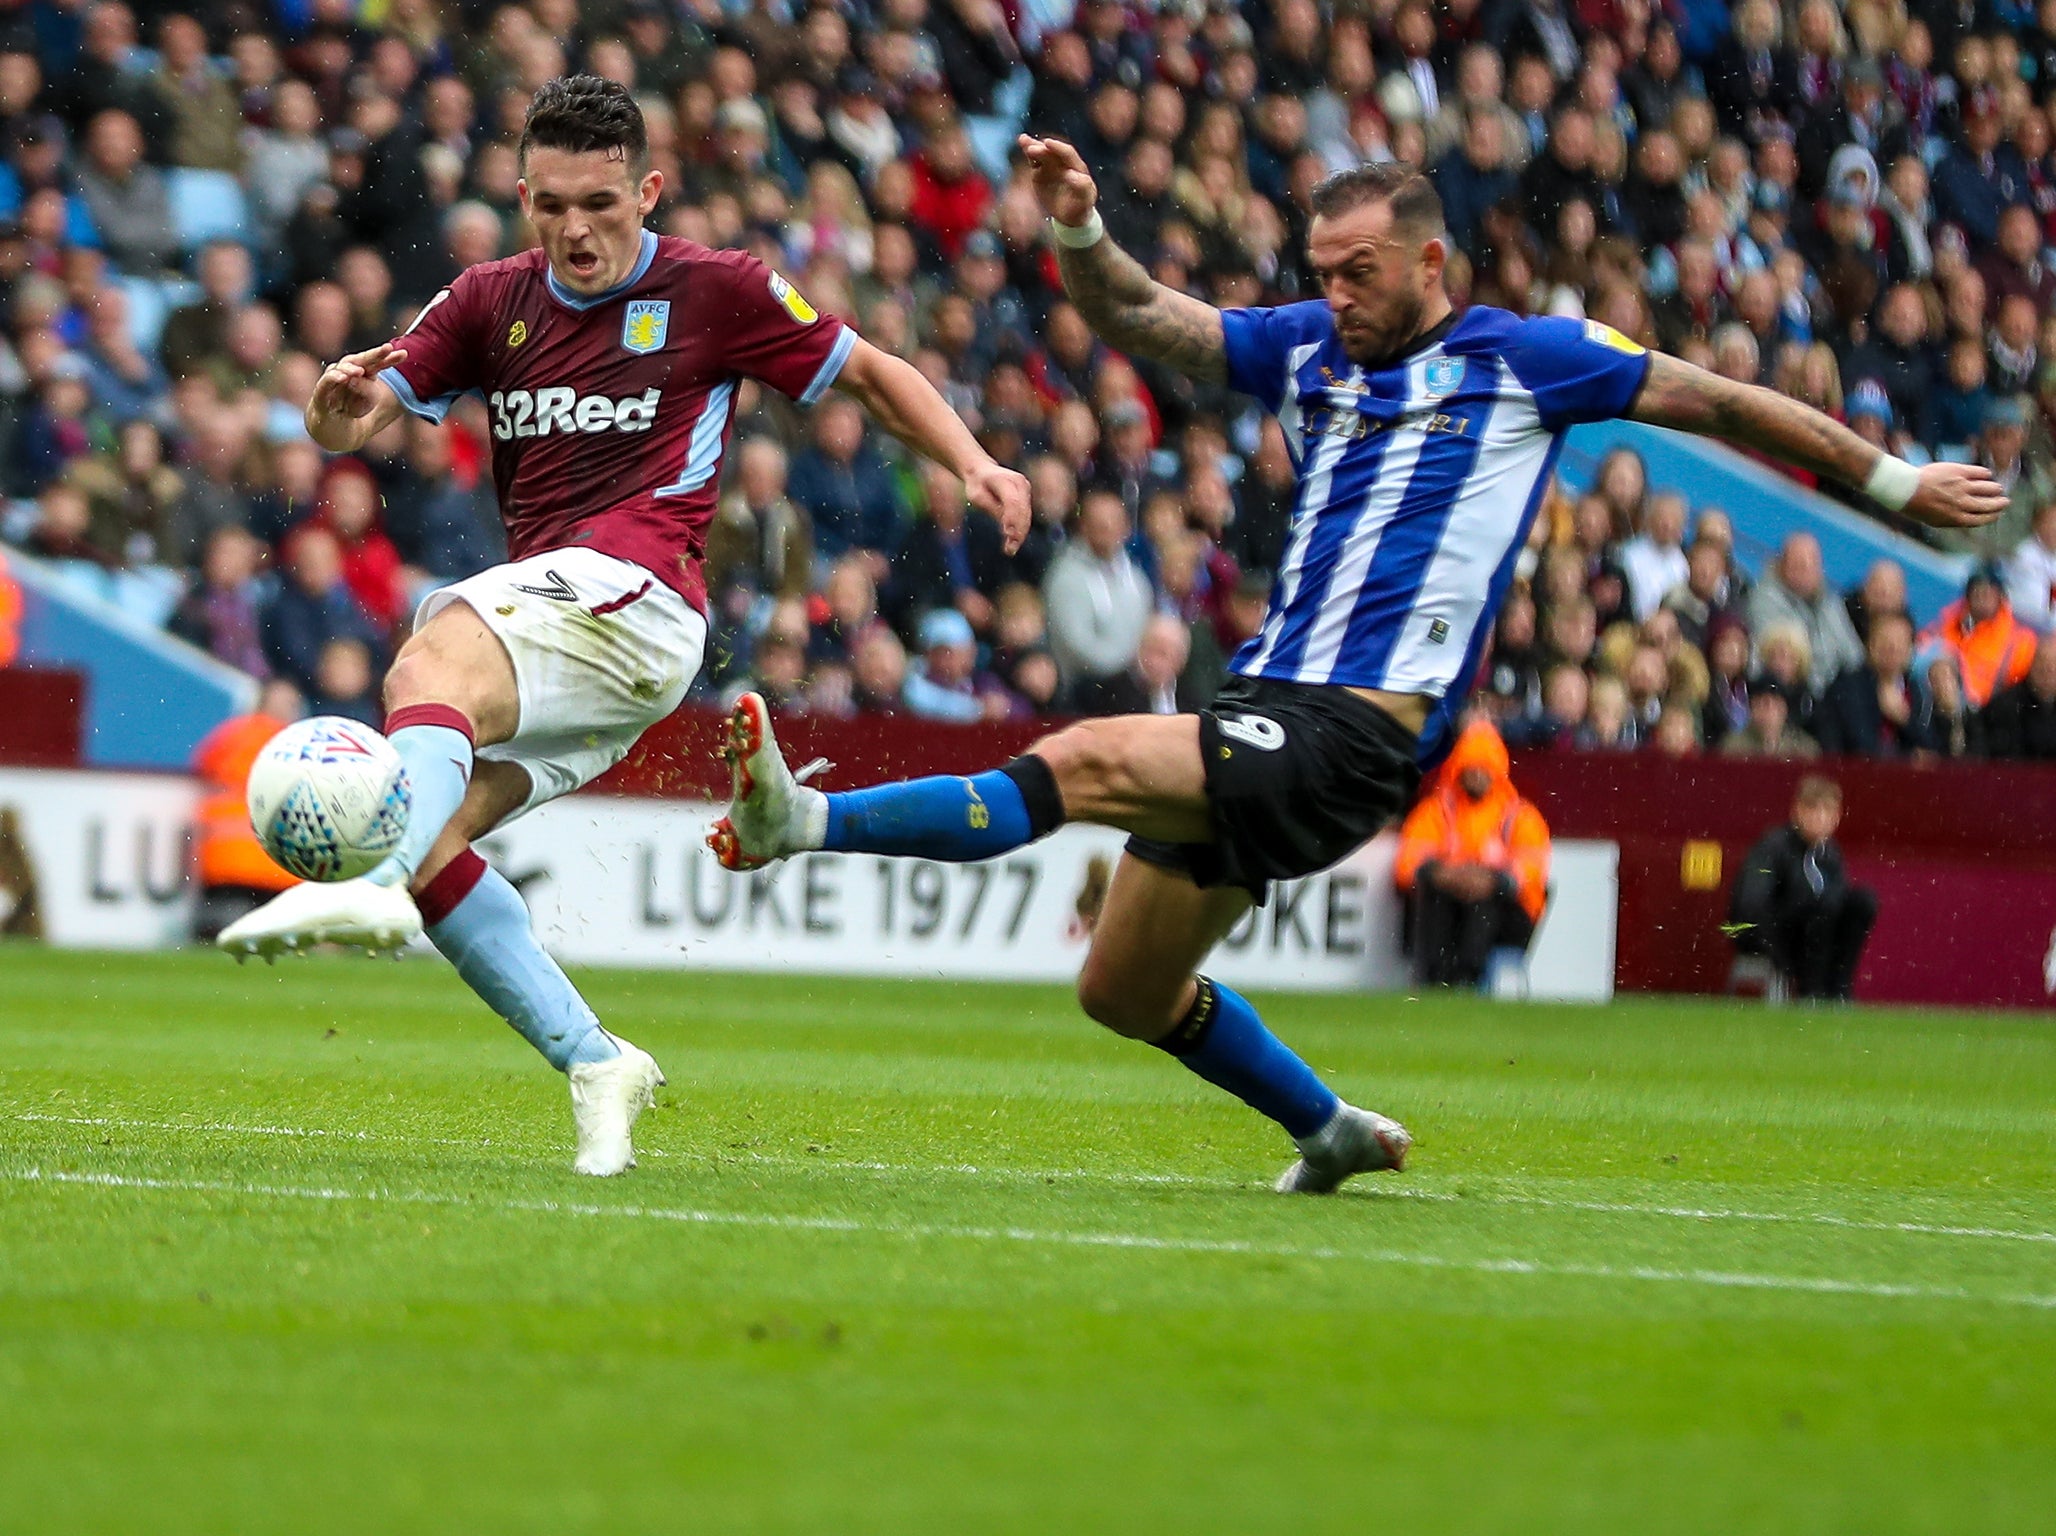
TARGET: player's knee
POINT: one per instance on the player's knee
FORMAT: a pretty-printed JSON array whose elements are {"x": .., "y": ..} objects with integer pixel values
[
  {"x": 410, "y": 680},
  {"x": 1108, "y": 999}
]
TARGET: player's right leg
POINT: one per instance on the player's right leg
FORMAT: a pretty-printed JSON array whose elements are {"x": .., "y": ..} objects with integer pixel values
[{"x": 1140, "y": 773}]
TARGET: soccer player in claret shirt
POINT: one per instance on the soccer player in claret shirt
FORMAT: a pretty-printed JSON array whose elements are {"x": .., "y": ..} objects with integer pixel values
[
  {"x": 609, "y": 361},
  {"x": 1424, "y": 440}
]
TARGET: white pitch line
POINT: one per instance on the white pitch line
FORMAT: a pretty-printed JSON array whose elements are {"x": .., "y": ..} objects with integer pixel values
[
  {"x": 1723, "y": 1279},
  {"x": 1143, "y": 1180}
]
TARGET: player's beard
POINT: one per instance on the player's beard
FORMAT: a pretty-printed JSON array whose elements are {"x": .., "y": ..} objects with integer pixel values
[{"x": 1369, "y": 349}]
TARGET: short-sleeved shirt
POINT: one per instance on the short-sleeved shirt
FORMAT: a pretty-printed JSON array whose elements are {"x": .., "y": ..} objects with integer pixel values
[
  {"x": 1417, "y": 486},
  {"x": 611, "y": 413}
]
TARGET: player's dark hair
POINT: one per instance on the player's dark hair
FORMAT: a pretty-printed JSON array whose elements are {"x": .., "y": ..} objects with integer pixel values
[
  {"x": 583, "y": 113},
  {"x": 1415, "y": 206}
]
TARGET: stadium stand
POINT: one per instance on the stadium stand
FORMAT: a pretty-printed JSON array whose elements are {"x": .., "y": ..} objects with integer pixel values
[{"x": 1858, "y": 207}]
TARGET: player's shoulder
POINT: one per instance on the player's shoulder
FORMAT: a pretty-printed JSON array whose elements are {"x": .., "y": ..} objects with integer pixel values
[
  {"x": 1307, "y": 320},
  {"x": 678, "y": 257}
]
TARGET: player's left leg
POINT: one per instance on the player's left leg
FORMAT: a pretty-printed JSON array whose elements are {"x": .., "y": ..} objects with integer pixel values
[
  {"x": 1140, "y": 981},
  {"x": 479, "y": 922}
]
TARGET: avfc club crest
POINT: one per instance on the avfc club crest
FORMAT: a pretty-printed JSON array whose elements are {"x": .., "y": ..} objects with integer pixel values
[
  {"x": 645, "y": 325},
  {"x": 1444, "y": 374}
]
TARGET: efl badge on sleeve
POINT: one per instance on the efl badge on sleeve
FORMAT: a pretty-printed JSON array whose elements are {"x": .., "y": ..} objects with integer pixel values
[
  {"x": 789, "y": 296},
  {"x": 644, "y": 327},
  {"x": 1444, "y": 374},
  {"x": 1607, "y": 336}
]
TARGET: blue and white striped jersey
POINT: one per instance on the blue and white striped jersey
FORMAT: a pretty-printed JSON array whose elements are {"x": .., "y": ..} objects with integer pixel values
[{"x": 1417, "y": 486}]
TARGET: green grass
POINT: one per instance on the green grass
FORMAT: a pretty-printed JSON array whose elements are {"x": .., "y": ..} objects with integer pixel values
[{"x": 300, "y": 1251}]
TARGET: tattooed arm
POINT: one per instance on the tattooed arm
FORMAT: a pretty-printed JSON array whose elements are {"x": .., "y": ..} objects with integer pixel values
[
  {"x": 1120, "y": 301},
  {"x": 1677, "y": 394}
]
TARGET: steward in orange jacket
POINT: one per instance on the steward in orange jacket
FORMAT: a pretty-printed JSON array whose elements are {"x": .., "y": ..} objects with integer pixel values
[
  {"x": 1993, "y": 649},
  {"x": 10, "y": 615},
  {"x": 236, "y": 874},
  {"x": 1473, "y": 863}
]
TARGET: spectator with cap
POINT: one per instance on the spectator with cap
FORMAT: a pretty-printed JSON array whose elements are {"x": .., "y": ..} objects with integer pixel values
[
  {"x": 2002, "y": 447},
  {"x": 1796, "y": 591},
  {"x": 2020, "y": 722},
  {"x": 2031, "y": 573},
  {"x": 1993, "y": 649},
  {"x": 1869, "y": 411},
  {"x": 1878, "y": 709},
  {"x": 943, "y": 684},
  {"x": 1794, "y": 904}
]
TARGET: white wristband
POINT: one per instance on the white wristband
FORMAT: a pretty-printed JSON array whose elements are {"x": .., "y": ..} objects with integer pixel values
[
  {"x": 1079, "y": 236},
  {"x": 1892, "y": 484}
]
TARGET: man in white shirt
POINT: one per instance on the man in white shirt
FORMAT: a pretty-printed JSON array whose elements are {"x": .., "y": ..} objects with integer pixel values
[
  {"x": 1654, "y": 559},
  {"x": 2031, "y": 573}
]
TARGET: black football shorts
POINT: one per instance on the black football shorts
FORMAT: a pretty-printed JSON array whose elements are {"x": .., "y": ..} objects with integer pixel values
[{"x": 1298, "y": 775}]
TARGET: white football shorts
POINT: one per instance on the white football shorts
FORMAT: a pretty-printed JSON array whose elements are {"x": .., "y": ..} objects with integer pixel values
[{"x": 602, "y": 651}]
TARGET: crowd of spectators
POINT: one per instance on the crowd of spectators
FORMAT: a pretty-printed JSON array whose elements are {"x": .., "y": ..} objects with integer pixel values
[{"x": 1857, "y": 204}]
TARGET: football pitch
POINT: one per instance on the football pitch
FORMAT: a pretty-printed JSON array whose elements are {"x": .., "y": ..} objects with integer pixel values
[{"x": 299, "y": 1250}]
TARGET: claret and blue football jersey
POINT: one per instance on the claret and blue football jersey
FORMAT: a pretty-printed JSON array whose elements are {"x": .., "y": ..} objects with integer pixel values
[{"x": 1417, "y": 486}]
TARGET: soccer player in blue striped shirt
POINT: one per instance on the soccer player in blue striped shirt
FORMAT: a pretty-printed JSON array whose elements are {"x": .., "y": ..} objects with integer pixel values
[{"x": 1425, "y": 441}]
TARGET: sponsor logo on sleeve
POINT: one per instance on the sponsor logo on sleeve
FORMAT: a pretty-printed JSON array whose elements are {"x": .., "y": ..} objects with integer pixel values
[
  {"x": 645, "y": 326},
  {"x": 789, "y": 296},
  {"x": 1607, "y": 336}
]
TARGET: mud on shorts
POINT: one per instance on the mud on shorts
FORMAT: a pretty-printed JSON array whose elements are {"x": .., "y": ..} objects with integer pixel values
[
  {"x": 1298, "y": 776},
  {"x": 602, "y": 651}
]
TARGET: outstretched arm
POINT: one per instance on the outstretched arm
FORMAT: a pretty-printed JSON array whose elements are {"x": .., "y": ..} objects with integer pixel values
[
  {"x": 1120, "y": 301},
  {"x": 906, "y": 405},
  {"x": 1677, "y": 394},
  {"x": 351, "y": 405}
]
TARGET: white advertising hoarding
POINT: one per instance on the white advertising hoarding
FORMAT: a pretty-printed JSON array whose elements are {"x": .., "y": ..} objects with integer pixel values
[
  {"x": 631, "y": 882},
  {"x": 100, "y": 859}
]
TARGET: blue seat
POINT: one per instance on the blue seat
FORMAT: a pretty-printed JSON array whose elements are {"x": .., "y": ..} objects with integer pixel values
[{"x": 206, "y": 205}]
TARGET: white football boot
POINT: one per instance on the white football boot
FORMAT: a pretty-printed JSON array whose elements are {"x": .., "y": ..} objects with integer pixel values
[
  {"x": 607, "y": 1097},
  {"x": 356, "y": 912},
  {"x": 1354, "y": 1141},
  {"x": 773, "y": 813}
]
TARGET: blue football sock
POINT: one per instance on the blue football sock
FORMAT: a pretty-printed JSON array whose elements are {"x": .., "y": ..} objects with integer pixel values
[
  {"x": 955, "y": 820},
  {"x": 438, "y": 759},
  {"x": 1223, "y": 1040},
  {"x": 485, "y": 933}
]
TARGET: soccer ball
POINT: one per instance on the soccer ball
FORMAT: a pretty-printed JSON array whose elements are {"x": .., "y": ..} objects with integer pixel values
[{"x": 328, "y": 798}]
